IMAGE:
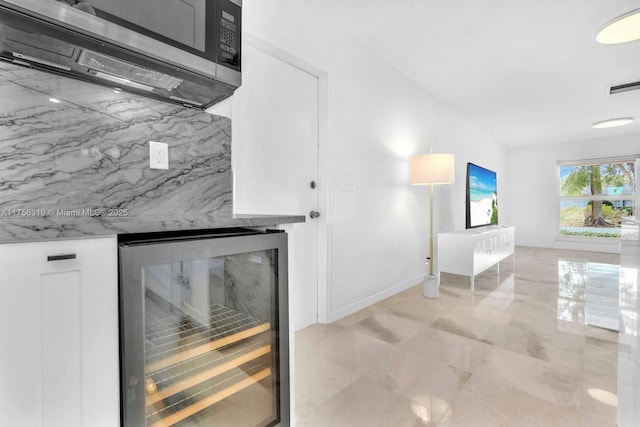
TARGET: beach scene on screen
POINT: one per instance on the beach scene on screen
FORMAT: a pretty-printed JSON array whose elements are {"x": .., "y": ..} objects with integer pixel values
[{"x": 483, "y": 196}]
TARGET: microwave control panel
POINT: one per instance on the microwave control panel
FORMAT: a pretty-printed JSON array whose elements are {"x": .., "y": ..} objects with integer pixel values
[{"x": 228, "y": 49}]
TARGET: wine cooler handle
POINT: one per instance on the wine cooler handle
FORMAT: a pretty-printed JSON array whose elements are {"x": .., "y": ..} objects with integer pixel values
[{"x": 60, "y": 257}]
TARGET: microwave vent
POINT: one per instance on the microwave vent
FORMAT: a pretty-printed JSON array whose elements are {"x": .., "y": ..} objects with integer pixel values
[{"x": 127, "y": 71}]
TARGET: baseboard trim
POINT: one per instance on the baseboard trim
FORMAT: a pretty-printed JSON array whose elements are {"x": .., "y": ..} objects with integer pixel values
[{"x": 372, "y": 299}]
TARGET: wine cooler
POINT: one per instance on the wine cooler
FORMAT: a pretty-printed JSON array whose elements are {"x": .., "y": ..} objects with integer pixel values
[{"x": 204, "y": 329}]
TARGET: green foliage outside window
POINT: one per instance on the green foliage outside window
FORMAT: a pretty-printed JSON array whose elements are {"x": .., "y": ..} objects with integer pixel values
[
  {"x": 584, "y": 190},
  {"x": 494, "y": 212}
]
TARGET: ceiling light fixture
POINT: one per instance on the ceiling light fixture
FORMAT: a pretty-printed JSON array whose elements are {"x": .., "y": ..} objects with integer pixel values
[
  {"x": 623, "y": 29},
  {"x": 612, "y": 123},
  {"x": 624, "y": 88}
]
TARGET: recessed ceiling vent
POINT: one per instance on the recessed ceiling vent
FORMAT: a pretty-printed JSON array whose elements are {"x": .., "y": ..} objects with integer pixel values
[{"x": 624, "y": 88}]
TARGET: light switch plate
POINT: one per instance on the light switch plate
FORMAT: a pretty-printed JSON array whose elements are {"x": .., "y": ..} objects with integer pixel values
[
  {"x": 158, "y": 155},
  {"x": 348, "y": 187}
]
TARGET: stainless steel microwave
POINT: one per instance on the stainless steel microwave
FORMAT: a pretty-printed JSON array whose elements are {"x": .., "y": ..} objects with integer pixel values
[{"x": 184, "y": 51}]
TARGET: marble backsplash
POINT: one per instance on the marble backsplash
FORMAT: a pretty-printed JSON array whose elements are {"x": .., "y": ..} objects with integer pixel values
[{"x": 83, "y": 163}]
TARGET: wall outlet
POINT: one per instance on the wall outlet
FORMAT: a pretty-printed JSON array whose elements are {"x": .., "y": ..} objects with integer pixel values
[{"x": 158, "y": 155}]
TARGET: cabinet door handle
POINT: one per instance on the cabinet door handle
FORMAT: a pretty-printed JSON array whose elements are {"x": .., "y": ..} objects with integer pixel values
[{"x": 60, "y": 257}]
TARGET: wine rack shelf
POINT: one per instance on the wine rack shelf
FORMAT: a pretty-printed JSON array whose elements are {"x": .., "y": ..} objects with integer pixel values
[{"x": 199, "y": 363}]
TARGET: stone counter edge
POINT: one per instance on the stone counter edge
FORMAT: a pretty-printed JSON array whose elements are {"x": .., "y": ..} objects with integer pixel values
[{"x": 39, "y": 229}]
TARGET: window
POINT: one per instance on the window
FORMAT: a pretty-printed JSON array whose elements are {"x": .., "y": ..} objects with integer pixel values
[{"x": 595, "y": 195}]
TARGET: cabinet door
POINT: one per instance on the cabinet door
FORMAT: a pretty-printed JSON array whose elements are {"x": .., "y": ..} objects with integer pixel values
[
  {"x": 495, "y": 248},
  {"x": 504, "y": 244},
  {"x": 59, "y": 334},
  {"x": 482, "y": 257}
]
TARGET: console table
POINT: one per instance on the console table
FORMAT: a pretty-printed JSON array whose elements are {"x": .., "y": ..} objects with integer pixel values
[{"x": 472, "y": 251}]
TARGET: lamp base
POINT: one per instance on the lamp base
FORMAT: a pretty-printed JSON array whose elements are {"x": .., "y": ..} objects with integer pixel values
[{"x": 431, "y": 286}]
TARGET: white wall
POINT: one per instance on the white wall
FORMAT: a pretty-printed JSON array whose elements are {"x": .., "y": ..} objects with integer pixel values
[
  {"x": 532, "y": 191},
  {"x": 377, "y": 119}
]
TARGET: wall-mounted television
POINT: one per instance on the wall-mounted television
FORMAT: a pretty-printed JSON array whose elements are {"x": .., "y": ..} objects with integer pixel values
[{"x": 482, "y": 196}]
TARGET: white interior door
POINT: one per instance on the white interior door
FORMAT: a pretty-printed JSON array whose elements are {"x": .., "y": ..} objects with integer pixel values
[{"x": 275, "y": 161}]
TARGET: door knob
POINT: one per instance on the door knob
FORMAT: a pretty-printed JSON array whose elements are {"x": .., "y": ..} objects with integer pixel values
[{"x": 314, "y": 214}]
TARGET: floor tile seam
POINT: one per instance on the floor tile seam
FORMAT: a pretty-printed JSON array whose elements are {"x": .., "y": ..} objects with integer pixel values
[
  {"x": 558, "y": 364},
  {"x": 324, "y": 334},
  {"x": 347, "y": 367},
  {"x": 479, "y": 319},
  {"x": 413, "y": 400},
  {"x": 595, "y": 372},
  {"x": 455, "y": 336},
  {"x": 406, "y": 315},
  {"x": 575, "y": 378},
  {"x": 423, "y": 324},
  {"x": 459, "y": 399},
  {"x": 395, "y": 344},
  {"x": 597, "y": 413},
  {"x": 474, "y": 338},
  {"x": 546, "y": 397},
  {"x": 357, "y": 331},
  {"x": 586, "y": 385},
  {"x": 544, "y": 327},
  {"x": 328, "y": 359},
  {"x": 557, "y": 339},
  {"x": 314, "y": 344},
  {"x": 320, "y": 402},
  {"x": 354, "y": 376},
  {"x": 553, "y": 367},
  {"x": 443, "y": 363},
  {"x": 446, "y": 361},
  {"x": 548, "y": 405},
  {"x": 389, "y": 403}
]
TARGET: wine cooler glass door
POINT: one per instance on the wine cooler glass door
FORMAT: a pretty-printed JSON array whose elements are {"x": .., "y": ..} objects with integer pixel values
[{"x": 211, "y": 340}]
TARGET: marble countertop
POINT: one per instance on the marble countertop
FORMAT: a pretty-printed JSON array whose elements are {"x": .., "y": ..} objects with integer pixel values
[{"x": 45, "y": 228}]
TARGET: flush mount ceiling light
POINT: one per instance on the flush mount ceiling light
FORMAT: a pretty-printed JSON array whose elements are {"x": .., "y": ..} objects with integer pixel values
[
  {"x": 612, "y": 123},
  {"x": 623, "y": 29}
]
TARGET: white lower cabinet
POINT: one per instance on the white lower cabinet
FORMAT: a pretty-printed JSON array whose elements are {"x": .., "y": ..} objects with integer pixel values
[
  {"x": 59, "y": 333},
  {"x": 470, "y": 252}
]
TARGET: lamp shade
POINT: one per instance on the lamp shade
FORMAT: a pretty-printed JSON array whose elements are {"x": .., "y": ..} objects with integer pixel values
[{"x": 432, "y": 169}]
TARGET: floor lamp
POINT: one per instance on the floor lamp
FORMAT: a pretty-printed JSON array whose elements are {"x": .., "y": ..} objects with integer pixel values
[{"x": 432, "y": 169}]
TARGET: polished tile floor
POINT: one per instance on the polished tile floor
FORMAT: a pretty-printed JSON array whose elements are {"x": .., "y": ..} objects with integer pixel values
[{"x": 518, "y": 352}]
